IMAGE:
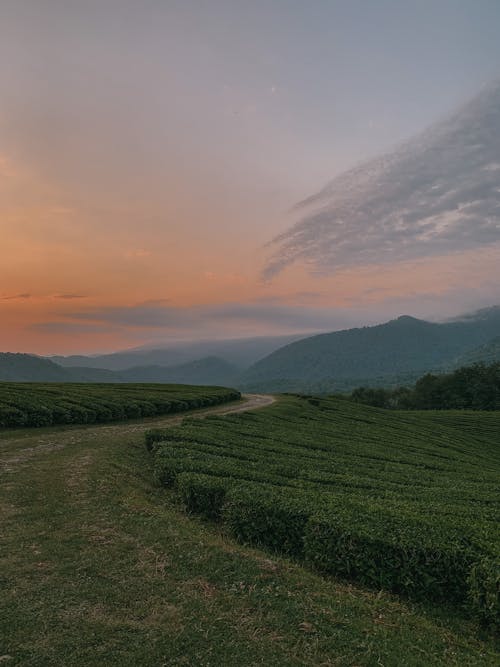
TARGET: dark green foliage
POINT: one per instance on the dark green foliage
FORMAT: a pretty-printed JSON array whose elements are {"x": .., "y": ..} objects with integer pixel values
[
  {"x": 389, "y": 551},
  {"x": 378, "y": 398},
  {"x": 474, "y": 387},
  {"x": 484, "y": 590},
  {"x": 266, "y": 517},
  {"x": 407, "y": 501},
  {"x": 37, "y": 404},
  {"x": 203, "y": 494}
]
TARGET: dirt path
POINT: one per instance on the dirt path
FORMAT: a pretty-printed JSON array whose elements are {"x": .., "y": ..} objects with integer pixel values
[{"x": 15, "y": 451}]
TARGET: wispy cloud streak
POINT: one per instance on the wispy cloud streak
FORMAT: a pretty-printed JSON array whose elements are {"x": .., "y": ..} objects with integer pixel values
[{"x": 436, "y": 194}]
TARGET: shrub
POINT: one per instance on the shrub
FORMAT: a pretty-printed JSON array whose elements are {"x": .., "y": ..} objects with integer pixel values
[
  {"x": 396, "y": 553},
  {"x": 43, "y": 404},
  {"x": 39, "y": 416},
  {"x": 12, "y": 417},
  {"x": 203, "y": 494},
  {"x": 267, "y": 517},
  {"x": 484, "y": 591},
  {"x": 403, "y": 502}
]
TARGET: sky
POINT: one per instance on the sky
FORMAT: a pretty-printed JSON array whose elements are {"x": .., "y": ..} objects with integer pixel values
[{"x": 150, "y": 153}]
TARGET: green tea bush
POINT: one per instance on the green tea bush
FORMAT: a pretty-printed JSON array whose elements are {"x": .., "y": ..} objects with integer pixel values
[
  {"x": 402, "y": 501},
  {"x": 202, "y": 494},
  {"x": 390, "y": 552},
  {"x": 484, "y": 590},
  {"x": 44, "y": 404},
  {"x": 266, "y": 517},
  {"x": 10, "y": 416}
]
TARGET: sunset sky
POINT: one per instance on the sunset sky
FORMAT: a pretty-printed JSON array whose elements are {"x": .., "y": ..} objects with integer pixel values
[{"x": 150, "y": 151}]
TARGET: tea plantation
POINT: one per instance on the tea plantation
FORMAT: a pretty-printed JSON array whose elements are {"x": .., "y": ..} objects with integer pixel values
[
  {"x": 39, "y": 404},
  {"x": 403, "y": 501}
]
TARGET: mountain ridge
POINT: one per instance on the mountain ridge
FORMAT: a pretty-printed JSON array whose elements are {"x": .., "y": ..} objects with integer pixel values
[
  {"x": 395, "y": 352},
  {"x": 403, "y": 346}
]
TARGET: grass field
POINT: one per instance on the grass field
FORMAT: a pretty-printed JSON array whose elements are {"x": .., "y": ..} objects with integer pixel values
[
  {"x": 98, "y": 566},
  {"x": 44, "y": 404},
  {"x": 404, "y": 501}
]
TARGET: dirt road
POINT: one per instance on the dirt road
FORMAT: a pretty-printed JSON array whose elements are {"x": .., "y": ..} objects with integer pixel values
[{"x": 18, "y": 447}]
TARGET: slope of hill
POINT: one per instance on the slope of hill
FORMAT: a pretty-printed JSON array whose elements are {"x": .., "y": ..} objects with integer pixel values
[
  {"x": 18, "y": 367},
  {"x": 30, "y": 368},
  {"x": 402, "y": 347},
  {"x": 487, "y": 353},
  {"x": 209, "y": 370}
]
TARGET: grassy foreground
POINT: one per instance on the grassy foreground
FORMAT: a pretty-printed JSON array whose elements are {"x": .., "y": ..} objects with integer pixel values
[{"x": 99, "y": 567}]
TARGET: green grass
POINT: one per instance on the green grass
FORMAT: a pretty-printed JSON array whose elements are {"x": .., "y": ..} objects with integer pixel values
[
  {"x": 402, "y": 501},
  {"x": 100, "y": 567},
  {"x": 44, "y": 404}
]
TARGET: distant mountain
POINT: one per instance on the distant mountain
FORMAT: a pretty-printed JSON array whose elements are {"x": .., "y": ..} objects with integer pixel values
[
  {"x": 402, "y": 348},
  {"x": 238, "y": 352},
  {"x": 208, "y": 371},
  {"x": 386, "y": 355},
  {"x": 30, "y": 368},
  {"x": 84, "y": 374}
]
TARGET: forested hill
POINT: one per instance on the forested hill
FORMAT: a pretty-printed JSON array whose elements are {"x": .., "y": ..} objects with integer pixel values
[
  {"x": 487, "y": 353},
  {"x": 403, "y": 346},
  {"x": 209, "y": 370},
  {"x": 29, "y": 368}
]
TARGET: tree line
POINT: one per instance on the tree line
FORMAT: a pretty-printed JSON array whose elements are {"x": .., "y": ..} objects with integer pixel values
[{"x": 475, "y": 387}]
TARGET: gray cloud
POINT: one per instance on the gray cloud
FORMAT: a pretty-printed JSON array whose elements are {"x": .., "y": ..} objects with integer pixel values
[
  {"x": 15, "y": 297},
  {"x": 72, "y": 328},
  {"x": 148, "y": 320},
  {"x": 436, "y": 194},
  {"x": 69, "y": 296},
  {"x": 269, "y": 313}
]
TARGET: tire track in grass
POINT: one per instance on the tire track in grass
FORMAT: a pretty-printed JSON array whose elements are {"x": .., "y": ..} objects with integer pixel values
[{"x": 58, "y": 437}]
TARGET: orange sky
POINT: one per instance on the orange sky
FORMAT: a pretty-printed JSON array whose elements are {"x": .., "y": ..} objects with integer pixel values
[
  {"x": 148, "y": 156},
  {"x": 63, "y": 268}
]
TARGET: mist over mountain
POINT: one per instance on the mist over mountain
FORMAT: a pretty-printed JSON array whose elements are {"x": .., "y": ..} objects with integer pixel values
[
  {"x": 240, "y": 352},
  {"x": 433, "y": 195},
  {"x": 30, "y": 368},
  {"x": 394, "y": 353},
  {"x": 209, "y": 371}
]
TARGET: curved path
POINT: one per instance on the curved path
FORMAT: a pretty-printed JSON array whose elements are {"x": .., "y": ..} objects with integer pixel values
[{"x": 18, "y": 447}]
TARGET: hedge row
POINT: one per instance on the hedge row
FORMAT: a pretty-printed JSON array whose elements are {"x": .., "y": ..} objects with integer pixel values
[
  {"x": 376, "y": 549},
  {"x": 38, "y": 404},
  {"x": 390, "y": 499}
]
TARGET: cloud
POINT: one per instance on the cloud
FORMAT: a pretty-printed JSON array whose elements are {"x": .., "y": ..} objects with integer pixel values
[
  {"x": 137, "y": 253},
  {"x": 269, "y": 313},
  {"x": 71, "y": 328},
  {"x": 16, "y": 297},
  {"x": 437, "y": 194},
  {"x": 69, "y": 296}
]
